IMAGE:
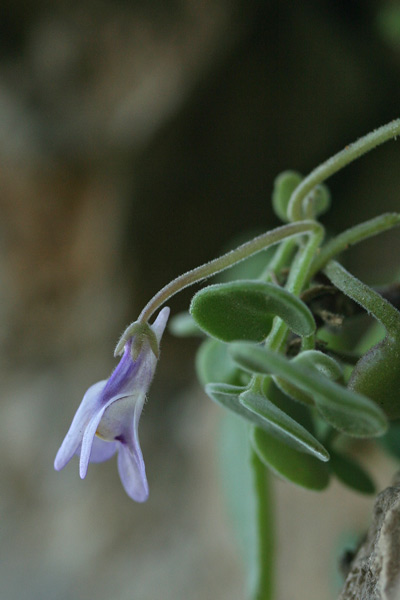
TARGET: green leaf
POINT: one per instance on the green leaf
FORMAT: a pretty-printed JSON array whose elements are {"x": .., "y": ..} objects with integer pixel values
[
  {"x": 265, "y": 414},
  {"x": 391, "y": 440},
  {"x": 322, "y": 363},
  {"x": 299, "y": 468},
  {"x": 243, "y": 310},
  {"x": 344, "y": 409},
  {"x": 293, "y": 391},
  {"x": 351, "y": 473},
  {"x": 316, "y": 361},
  {"x": 283, "y": 427},
  {"x": 377, "y": 373},
  {"x": 300, "y": 413},
  {"x": 215, "y": 364},
  {"x": 227, "y": 395},
  {"x": 183, "y": 325}
]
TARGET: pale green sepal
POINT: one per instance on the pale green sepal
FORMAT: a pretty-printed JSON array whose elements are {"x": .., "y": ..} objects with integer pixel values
[
  {"x": 142, "y": 332},
  {"x": 298, "y": 467}
]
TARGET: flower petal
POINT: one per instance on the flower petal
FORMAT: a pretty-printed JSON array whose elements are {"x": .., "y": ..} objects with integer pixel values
[
  {"x": 160, "y": 323},
  {"x": 81, "y": 419},
  {"x": 132, "y": 473},
  {"x": 102, "y": 450},
  {"x": 88, "y": 438}
]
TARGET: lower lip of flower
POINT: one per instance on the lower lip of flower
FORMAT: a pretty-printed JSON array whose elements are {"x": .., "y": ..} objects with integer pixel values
[{"x": 115, "y": 419}]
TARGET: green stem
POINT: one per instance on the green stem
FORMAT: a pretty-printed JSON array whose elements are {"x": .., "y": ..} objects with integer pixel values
[
  {"x": 373, "y": 302},
  {"x": 300, "y": 271},
  {"x": 337, "y": 162},
  {"x": 280, "y": 259},
  {"x": 352, "y": 236},
  {"x": 225, "y": 261},
  {"x": 299, "y": 275},
  {"x": 264, "y": 583}
]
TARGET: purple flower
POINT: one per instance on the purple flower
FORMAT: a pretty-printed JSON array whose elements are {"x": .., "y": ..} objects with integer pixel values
[{"x": 108, "y": 417}]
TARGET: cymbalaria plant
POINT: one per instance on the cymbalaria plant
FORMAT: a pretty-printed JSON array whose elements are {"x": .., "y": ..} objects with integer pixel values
[{"x": 272, "y": 356}]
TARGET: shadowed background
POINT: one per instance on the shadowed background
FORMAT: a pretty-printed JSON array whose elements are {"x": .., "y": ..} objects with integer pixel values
[{"x": 136, "y": 139}]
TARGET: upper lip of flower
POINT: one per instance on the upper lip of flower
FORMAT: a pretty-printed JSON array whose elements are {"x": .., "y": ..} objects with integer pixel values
[{"x": 111, "y": 409}]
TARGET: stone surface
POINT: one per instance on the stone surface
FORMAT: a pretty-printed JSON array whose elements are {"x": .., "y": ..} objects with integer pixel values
[{"x": 375, "y": 570}]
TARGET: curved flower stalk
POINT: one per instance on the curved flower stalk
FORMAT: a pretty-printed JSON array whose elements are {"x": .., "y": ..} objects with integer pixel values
[{"x": 108, "y": 417}]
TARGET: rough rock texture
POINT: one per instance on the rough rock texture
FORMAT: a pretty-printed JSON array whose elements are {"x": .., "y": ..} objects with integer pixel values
[{"x": 375, "y": 571}]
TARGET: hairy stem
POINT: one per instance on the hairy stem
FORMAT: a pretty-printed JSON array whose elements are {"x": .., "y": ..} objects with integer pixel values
[
  {"x": 337, "y": 162},
  {"x": 373, "y": 302},
  {"x": 352, "y": 236},
  {"x": 225, "y": 261},
  {"x": 263, "y": 586},
  {"x": 299, "y": 275},
  {"x": 281, "y": 259}
]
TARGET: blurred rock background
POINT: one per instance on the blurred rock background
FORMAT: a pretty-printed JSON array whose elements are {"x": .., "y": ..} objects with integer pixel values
[{"x": 136, "y": 139}]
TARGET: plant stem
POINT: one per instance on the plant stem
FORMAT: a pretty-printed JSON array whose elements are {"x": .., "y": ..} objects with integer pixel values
[
  {"x": 352, "y": 236},
  {"x": 373, "y": 302},
  {"x": 225, "y": 261},
  {"x": 337, "y": 162},
  {"x": 279, "y": 260},
  {"x": 264, "y": 584},
  {"x": 299, "y": 275}
]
